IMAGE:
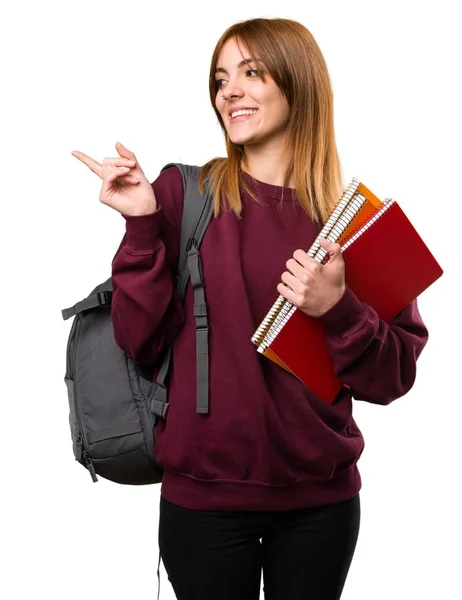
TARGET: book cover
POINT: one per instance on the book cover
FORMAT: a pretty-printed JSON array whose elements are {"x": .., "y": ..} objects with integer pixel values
[
  {"x": 387, "y": 265},
  {"x": 356, "y": 207}
]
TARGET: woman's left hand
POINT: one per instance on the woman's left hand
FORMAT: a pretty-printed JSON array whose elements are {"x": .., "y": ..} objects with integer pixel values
[{"x": 311, "y": 286}]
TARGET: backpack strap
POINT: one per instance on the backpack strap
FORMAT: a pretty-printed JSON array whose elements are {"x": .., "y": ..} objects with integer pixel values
[
  {"x": 92, "y": 301},
  {"x": 197, "y": 212}
]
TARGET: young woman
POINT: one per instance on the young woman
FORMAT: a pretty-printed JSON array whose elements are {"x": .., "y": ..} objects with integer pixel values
[{"x": 268, "y": 480}]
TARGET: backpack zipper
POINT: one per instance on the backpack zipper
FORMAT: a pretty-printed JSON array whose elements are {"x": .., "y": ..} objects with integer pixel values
[
  {"x": 90, "y": 466},
  {"x": 79, "y": 443},
  {"x": 85, "y": 457}
]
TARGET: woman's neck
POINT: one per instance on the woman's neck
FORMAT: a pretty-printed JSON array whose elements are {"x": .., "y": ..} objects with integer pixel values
[{"x": 266, "y": 165}]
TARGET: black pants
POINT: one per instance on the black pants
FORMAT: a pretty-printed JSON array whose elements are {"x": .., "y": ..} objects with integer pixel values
[{"x": 220, "y": 555}]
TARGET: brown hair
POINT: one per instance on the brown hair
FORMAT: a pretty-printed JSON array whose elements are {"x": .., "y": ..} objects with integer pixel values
[{"x": 293, "y": 59}]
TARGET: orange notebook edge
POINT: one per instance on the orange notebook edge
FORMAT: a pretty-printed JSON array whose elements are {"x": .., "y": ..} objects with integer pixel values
[{"x": 272, "y": 356}]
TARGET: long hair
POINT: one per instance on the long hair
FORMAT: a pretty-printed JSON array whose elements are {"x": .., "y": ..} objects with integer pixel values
[{"x": 293, "y": 59}]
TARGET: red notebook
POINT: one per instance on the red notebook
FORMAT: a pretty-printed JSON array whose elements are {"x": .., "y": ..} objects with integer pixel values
[{"x": 387, "y": 265}]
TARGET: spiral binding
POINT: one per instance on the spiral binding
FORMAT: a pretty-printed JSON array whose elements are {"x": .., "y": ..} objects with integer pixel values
[
  {"x": 343, "y": 214},
  {"x": 338, "y": 216},
  {"x": 277, "y": 326}
]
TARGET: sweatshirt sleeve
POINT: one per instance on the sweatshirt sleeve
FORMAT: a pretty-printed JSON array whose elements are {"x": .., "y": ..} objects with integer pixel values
[
  {"x": 375, "y": 359},
  {"x": 147, "y": 313}
]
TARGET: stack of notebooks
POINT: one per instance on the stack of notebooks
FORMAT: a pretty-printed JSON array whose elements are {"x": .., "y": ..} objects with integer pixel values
[{"x": 387, "y": 266}]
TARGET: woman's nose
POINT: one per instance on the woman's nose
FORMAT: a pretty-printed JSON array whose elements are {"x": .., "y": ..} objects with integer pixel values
[{"x": 232, "y": 90}]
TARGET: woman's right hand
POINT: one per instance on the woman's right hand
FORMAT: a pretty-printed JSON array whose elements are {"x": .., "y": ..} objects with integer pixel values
[{"x": 125, "y": 187}]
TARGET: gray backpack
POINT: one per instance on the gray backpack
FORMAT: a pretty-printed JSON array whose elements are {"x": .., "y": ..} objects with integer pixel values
[{"x": 114, "y": 403}]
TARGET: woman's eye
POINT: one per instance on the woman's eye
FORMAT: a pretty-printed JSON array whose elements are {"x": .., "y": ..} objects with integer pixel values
[
  {"x": 219, "y": 83},
  {"x": 255, "y": 73}
]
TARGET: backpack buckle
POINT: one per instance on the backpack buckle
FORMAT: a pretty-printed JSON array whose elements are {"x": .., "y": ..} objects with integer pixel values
[
  {"x": 103, "y": 298},
  {"x": 159, "y": 408},
  {"x": 163, "y": 413}
]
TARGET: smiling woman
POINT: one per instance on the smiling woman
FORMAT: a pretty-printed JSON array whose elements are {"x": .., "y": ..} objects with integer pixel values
[
  {"x": 266, "y": 481},
  {"x": 252, "y": 108},
  {"x": 275, "y": 68}
]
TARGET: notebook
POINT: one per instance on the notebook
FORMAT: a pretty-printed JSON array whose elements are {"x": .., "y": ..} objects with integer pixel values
[
  {"x": 356, "y": 206},
  {"x": 387, "y": 265}
]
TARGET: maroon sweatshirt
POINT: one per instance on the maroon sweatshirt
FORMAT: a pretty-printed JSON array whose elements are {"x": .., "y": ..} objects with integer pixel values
[{"x": 268, "y": 443}]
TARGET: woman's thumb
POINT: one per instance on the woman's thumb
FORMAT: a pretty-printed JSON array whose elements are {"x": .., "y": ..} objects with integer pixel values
[
  {"x": 125, "y": 152},
  {"x": 332, "y": 249}
]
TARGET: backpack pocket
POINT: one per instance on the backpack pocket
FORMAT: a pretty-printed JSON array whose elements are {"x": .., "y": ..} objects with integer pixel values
[{"x": 111, "y": 425}]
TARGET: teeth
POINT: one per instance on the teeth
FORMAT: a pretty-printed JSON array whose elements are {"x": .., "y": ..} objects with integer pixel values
[{"x": 239, "y": 113}]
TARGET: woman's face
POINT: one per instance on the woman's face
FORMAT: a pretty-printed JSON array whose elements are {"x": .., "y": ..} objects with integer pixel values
[{"x": 253, "y": 111}]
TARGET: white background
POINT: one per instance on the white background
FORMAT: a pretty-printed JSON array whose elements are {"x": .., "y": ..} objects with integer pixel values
[{"x": 82, "y": 75}]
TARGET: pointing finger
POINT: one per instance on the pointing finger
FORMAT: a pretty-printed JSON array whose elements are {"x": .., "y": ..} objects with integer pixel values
[{"x": 92, "y": 164}]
